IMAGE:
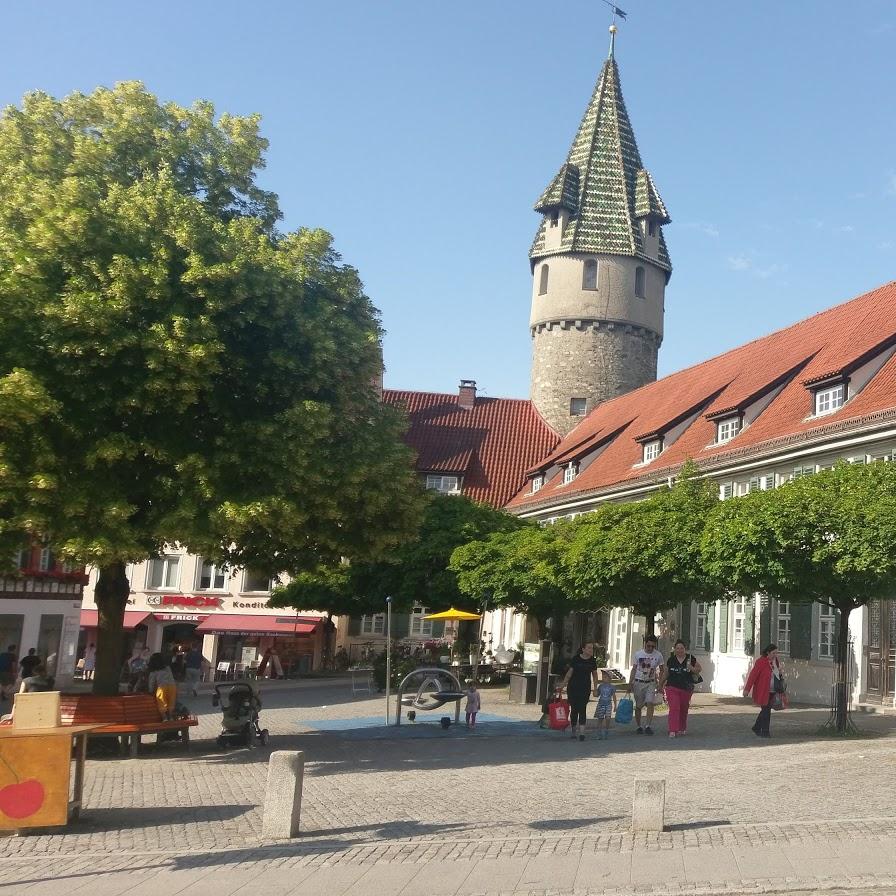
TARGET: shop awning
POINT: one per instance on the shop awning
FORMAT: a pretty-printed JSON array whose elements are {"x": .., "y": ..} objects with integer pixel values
[
  {"x": 132, "y": 618},
  {"x": 282, "y": 626}
]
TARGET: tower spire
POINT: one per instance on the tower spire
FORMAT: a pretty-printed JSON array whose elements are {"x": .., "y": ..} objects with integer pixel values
[{"x": 613, "y": 30}]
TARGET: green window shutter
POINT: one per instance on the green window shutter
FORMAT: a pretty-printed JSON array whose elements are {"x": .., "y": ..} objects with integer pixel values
[
  {"x": 685, "y": 617},
  {"x": 723, "y": 626},
  {"x": 401, "y": 625},
  {"x": 710, "y": 626},
  {"x": 354, "y": 626},
  {"x": 765, "y": 622},
  {"x": 750, "y": 627},
  {"x": 801, "y": 631}
]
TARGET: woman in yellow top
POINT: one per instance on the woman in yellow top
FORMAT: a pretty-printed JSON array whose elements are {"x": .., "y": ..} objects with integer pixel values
[{"x": 161, "y": 683}]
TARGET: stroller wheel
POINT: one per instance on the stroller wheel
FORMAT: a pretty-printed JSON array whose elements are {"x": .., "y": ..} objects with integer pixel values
[{"x": 263, "y": 736}]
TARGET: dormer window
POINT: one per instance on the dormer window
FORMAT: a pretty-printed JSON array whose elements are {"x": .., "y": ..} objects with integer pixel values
[
  {"x": 829, "y": 399},
  {"x": 555, "y": 218},
  {"x": 543, "y": 280},
  {"x": 447, "y": 485},
  {"x": 570, "y": 473},
  {"x": 726, "y": 430},
  {"x": 639, "y": 282},
  {"x": 652, "y": 450},
  {"x": 537, "y": 483},
  {"x": 651, "y": 227},
  {"x": 589, "y": 275}
]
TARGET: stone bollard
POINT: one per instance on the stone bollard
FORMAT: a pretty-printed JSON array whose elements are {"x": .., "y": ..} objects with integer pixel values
[
  {"x": 283, "y": 795},
  {"x": 649, "y": 805}
]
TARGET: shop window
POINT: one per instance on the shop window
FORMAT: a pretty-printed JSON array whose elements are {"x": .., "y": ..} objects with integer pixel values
[
  {"x": 255, "y": 580},
  {"x": 212, "y": 577},
  {"x": 420, "y": 627},
  {"x": 163, "y": 572}
]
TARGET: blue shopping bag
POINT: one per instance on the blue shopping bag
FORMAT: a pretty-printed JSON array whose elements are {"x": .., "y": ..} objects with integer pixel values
[{"x": 625, "y": 711}]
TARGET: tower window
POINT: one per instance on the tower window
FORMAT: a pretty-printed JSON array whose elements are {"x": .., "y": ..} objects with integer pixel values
[
  {"x": 589, "y": 277},
  {"x": 651, "y": 227},
  {"x": 555, "y": 218},
  {"x": 577, "y": 407},
  {"x": 639, "y": 282},
  {"x": 543, "y": 280}
]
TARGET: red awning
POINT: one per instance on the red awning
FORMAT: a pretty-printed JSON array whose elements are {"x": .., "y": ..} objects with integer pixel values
[
  {"x": 282, "y": 626},
  {"x": 132, "y": 618}
]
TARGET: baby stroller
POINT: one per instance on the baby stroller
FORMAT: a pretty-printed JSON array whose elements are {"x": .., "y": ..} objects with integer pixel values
[{"x": 239, "y": 714}]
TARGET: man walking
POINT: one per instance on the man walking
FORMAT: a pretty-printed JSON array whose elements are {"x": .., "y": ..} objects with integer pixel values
[
  {"x": 642, "y": 679},
  {"x": 193, "y": 668}
]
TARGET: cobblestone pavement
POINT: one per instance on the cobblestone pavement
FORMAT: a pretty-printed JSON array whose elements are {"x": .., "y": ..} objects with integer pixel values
[{"x": 802, "y": 809}]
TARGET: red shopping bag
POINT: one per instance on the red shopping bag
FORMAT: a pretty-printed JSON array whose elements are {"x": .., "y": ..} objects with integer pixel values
[{"x": 558, "y": 714}]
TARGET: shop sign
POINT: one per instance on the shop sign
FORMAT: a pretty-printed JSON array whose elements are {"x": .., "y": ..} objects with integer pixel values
[
  {"x": 183, "y": 600},
  {"x": 251, "y": 605},
  {"x": 179, "y": 617}
]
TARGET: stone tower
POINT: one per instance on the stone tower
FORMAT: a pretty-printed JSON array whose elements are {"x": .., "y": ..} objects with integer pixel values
[{"x": 599, "y": 267}]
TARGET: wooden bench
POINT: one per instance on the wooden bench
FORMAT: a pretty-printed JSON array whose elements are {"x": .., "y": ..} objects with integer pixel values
[{"x": 129, "y": 716}]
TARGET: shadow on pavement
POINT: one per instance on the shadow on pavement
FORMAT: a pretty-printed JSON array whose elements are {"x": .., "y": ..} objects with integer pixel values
[
  {"x": 568, "y": 824},
  {"x": 695, "y": 825},
  {"x": 125, "y": 818}
]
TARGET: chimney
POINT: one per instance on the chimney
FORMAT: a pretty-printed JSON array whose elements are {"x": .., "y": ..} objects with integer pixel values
[{"x": 466, "y": 396}]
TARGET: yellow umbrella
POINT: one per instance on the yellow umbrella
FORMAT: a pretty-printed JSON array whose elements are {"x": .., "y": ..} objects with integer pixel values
[{"x": 453, "y": 615}]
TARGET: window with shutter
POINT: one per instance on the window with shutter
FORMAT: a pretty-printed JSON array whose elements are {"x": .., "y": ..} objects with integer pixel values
[
  {"x": 801, "y": 631},
  {"x": 723, "y": 626}
]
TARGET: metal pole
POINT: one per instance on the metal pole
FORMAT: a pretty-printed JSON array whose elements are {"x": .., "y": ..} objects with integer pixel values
[{"x": 388, "y": 652}]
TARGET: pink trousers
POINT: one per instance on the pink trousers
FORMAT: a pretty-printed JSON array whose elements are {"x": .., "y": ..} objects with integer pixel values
[{"x": 679, "y": 702}]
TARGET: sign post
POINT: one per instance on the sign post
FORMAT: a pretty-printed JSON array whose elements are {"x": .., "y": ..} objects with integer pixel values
[{"x": 388, "y": 653}]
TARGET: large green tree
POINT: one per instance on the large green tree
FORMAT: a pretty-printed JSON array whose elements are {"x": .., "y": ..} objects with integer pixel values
[
  {"x": 518, "y": 569},
  {"x": 418, "y": 571},
  {"x": 645, "y": 554},
  {"x": 826, "y": 537},
  {"x": 173, "y": 368}
]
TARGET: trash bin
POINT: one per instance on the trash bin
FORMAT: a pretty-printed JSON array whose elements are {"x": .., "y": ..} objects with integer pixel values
[{"x": 522, "y": 687}]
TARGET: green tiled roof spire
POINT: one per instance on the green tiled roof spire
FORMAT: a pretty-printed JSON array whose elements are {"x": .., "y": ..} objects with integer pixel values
[{"x": 603, "y": 184}]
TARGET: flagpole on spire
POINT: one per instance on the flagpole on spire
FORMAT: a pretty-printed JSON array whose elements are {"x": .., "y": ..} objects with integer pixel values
[{"x": 613, "y": 29}]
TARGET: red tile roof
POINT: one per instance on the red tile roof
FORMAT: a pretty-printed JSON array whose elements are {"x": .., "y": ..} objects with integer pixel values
[
  {"x": 788, "y": 360},
  {"x": 491, "y": 445}
]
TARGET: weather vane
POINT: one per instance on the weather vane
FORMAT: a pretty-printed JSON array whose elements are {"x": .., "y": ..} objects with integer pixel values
[{"x": 616, "y": 10}]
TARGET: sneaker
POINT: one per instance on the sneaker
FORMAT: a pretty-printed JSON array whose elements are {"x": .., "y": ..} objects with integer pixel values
[
  {"x": 640, "y": 730},
  {"x": 648, "y": 730},
  {"x": 671, "y": 734}
]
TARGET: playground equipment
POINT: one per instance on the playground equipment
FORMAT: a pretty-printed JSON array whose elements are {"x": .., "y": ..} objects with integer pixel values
[{"x": 434, "y": 691}]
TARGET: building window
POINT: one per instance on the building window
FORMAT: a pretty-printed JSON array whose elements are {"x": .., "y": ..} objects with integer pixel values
[
  {"x": 543, "y": 280},
  {"x": 45, "y": 562},
  {"x": 700, "y": 625},
  {"x": 783, "y": 634},
  {"x": 829, "y": 400},
  {"x": 620, "y": 637},
  {"x": 738, "y": 623},
  {"x": 651, "y": 227},
  {"x": 420, "y": 627},
  {"x": 211, "y": 577},
  {"x": 726, "y": 491},
  {"x": 761, "y": 483},
  {"x": 589, "y": 277},
  {"x": 652, "y": 450},
  {"x": 373, "y": 625},
  {"x": 447, "y": 485},
  {"x": 555, "y": 218},
  {"x": 726, "y": 430},
  {"x": 827, "y": 632},
  {"x": 23, "y": 558},
  {"x": 639, "y": 282},
  {"x": 537, "y": 482},
  {"x": 577, "y": 407},
  {"x": 570, "y": 473},
  {"x": 255, "y": 580},
  {"x": 163, "y": 572},
  {"x": 800, "y": 472}
]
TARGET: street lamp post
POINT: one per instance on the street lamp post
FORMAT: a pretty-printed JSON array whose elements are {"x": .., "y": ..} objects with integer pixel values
[{"x": 388, "y": 652}]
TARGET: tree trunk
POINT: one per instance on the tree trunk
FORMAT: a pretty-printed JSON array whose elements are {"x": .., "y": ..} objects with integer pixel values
[
  {"x": 841, "y": 677},
  {"x": 111, "y": 596}
]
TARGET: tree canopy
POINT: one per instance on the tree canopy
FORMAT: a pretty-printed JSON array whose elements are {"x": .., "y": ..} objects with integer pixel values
[
  {"x": 174, "y": 369},
  {"x": 644, "y": 554}
]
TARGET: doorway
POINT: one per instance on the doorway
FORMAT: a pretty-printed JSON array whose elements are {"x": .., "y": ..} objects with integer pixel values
[{"x": 880, "y": 654}]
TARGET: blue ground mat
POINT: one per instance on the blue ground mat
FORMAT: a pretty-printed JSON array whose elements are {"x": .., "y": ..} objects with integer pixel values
[{"x": 374, "y": 727}]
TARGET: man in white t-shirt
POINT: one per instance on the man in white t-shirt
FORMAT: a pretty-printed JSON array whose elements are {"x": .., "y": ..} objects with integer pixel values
[{"x": 646, "y": 666}]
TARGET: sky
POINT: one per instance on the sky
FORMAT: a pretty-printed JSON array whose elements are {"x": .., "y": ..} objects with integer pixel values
[{"x": 420, "y": 134}]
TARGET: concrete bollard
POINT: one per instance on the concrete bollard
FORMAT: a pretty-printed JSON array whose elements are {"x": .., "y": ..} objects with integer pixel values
[
  {"x": 283, "y": 795},
  {"x": 649, "y": 805}
]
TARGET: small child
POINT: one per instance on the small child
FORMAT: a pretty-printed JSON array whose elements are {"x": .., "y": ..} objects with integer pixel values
[
  {"x": 606, "y": 706},
  {"x": 473, "y": 705}
]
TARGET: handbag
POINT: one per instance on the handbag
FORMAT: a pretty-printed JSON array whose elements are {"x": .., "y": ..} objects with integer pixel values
[
  {"x": 780, "y": 700},
  {"x": 780, "y": 686},
  {"x": 625, "y": 710},
  {"x": 558, "y": 715}
]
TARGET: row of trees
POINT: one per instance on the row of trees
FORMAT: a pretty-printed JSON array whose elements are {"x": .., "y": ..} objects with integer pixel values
[{"x": 826, "y": 537}]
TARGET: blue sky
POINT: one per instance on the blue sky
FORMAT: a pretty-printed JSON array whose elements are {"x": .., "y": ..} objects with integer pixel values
[{"x": 420, "y": 134}]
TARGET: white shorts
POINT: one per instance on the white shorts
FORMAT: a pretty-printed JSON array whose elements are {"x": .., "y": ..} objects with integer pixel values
[{"x": 643, "y": 692}]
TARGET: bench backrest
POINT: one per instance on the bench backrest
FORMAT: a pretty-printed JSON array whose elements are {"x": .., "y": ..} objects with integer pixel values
[{"x": 86, "y": 709}]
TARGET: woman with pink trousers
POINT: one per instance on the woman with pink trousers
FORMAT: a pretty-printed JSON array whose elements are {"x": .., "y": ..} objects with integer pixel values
[{"x": 678, "y": 682}]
